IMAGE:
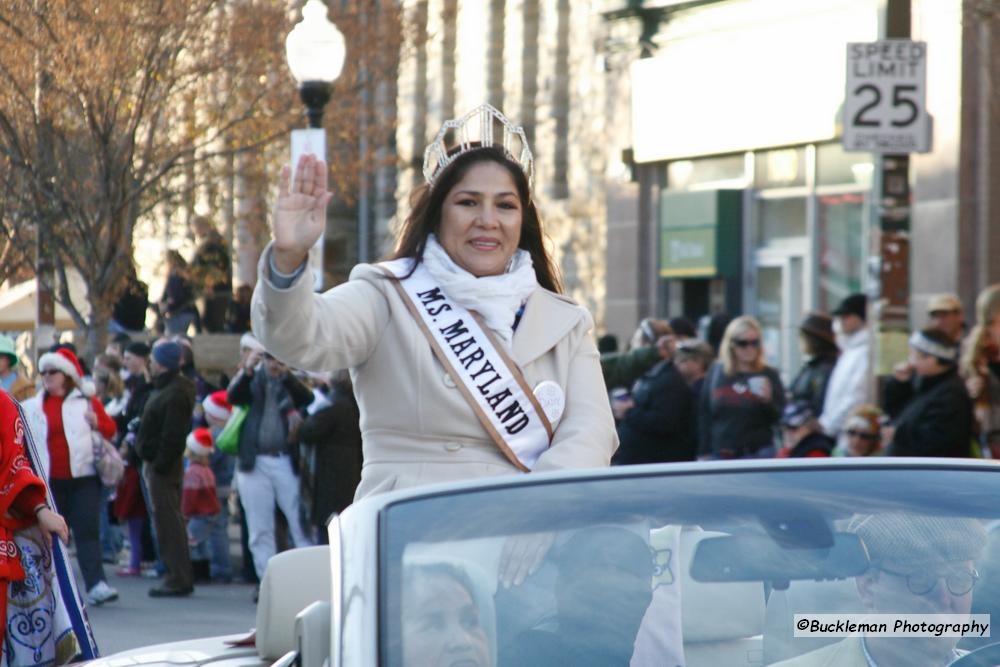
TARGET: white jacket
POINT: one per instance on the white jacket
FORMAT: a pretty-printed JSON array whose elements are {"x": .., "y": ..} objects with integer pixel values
[
  {"x": 849, "y": 384},
  {"x": 79, "y": 435}
]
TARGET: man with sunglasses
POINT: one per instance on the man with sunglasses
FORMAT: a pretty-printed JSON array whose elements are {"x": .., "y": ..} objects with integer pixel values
[{"x": 920, "y": 564}]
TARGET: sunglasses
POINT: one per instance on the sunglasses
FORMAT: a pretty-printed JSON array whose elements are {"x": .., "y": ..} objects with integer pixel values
[
  {"x": 746, "y": 342},
  {"x": 49, "y": 372},
  {"x": 864, "y": 435}
]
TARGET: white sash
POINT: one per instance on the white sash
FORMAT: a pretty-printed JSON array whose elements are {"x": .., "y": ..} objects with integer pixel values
[{"x": 488, "y": 378}]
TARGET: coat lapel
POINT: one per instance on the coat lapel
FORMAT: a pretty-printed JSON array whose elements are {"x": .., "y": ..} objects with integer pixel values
[{"x": 547, "y": 319}]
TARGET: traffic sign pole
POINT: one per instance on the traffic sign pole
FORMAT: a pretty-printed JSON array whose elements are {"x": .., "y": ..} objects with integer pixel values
[
  {"x": 885, "y": 114},
  {"x": 892, "y": 238}
]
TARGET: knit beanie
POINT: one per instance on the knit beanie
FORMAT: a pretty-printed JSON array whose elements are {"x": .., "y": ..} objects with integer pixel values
[
  {"x": 138, "y": 348},
  {"x": 168, "y": 355}
]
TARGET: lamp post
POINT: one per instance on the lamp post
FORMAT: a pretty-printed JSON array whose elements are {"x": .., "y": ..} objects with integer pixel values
[{"x": 315, "y": 53}]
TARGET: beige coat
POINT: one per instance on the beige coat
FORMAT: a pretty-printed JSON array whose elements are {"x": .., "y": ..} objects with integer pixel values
[
  {"x": 845, "y": 653},
  {"x": 416, "y": 426},
  {"x": 848, "y": 652}
]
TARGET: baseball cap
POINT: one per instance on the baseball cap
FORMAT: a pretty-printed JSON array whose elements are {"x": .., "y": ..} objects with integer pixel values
[
  {"x": 853, "y": 304},
  {"x": 944, "y": 303}
]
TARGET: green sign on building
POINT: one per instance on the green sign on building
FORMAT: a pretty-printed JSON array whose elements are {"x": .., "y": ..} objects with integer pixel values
[{"x": 700, "y": 234}]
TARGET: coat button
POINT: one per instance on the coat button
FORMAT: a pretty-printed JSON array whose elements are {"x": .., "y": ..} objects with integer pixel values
[
  {"x": 448, "y": 380},
  {"x": 262, "y": 310},
  {"x": 452, "y": 446}
]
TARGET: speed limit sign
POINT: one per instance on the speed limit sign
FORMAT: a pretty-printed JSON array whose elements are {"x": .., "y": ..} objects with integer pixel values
[{"x": 884, "y": 111}]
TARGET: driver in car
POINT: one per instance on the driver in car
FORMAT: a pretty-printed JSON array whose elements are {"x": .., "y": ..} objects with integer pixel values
[{"x": 919, "y": 565}]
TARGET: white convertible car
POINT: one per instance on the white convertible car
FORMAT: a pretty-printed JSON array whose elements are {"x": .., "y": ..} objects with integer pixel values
[{"x": 704, "y": 565}]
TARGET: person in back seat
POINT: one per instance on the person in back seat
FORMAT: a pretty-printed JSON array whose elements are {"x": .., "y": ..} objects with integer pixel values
[
  {"x": 919, "y": 565},
  {"x": 602, "y": 592},
  {"x": 444, "y": 623}
]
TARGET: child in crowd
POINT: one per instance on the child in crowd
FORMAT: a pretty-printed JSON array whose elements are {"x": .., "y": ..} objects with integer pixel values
[
  {"x": 217, "y": 410},
  {"x": 199, "y": 502}
]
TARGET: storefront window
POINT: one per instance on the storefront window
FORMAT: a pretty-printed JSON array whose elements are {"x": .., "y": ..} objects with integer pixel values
[
  {"x": 781, "y": 168},
  {"x": 835, "y": 167},
  {"x": 779, "y": 219},
  {"x": 840, "y": 228},
  {"x": 727, "y": 171},
  {"x": 769, "y": 312}
]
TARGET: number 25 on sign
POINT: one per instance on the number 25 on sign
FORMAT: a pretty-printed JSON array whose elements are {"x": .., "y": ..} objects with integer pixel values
[{"x": 884, "y": 109}]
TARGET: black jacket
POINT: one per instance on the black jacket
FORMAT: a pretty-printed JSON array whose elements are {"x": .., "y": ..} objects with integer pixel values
[
  {"x": 811, "y": 382},
  {"x": 139, "y": 391},
  {"x": 249, "y": 390},
  {"x": 733, "y": 421},
  {"x": 658, "y": 428},
  {"x": 335, "y": 433},
  {"x": 932, "y": 416},
  {"x": 166, "y": 422}
]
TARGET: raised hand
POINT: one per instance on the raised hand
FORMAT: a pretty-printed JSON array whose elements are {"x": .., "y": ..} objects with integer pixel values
[{"x": 299, "y": 213}]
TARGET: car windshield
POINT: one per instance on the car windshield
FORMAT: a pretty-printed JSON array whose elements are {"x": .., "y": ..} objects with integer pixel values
[{"x": 689, "y": 568}]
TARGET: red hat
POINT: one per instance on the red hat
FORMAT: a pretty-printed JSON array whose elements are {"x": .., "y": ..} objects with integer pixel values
[
  {"x": 199, "y": 441},
  {"x": 64, "y": 361},
  {"x": 217, "y": 406}
]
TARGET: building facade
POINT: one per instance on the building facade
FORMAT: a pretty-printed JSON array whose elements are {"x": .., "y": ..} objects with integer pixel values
[
  {"x": 740, "y": 197},
  {"x": 536, "y": 60}
]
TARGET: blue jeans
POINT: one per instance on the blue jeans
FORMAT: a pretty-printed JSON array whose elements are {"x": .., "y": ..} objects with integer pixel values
[
  {"x": 198, "y": 530},
  {"x": 111, "y": 534},
  {"x": 220, "y": 566}
]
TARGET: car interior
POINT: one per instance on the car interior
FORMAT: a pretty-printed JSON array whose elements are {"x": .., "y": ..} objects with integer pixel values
[{"x": 744, "y": 568}]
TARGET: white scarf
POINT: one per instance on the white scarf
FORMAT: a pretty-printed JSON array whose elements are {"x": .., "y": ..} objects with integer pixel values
[{"x": 496, "y": 298}]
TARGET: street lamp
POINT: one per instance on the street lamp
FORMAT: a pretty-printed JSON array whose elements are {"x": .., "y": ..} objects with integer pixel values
[{"x": 315, "y": 52}]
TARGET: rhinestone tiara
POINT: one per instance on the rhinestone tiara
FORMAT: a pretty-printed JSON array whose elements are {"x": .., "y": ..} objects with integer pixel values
[{"x": 477, "y": 129}]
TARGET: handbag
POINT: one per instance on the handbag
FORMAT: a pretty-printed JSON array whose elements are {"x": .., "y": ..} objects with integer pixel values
[
  {"x": 228, "y": 441},
  {"x": 107, "y": 461}
]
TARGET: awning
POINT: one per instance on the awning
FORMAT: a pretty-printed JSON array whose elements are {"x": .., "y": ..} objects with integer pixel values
[{"x": 18, "y": 304}]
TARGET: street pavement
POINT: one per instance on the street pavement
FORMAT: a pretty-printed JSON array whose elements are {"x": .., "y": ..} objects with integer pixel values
[{"x": 136, "y": 620}]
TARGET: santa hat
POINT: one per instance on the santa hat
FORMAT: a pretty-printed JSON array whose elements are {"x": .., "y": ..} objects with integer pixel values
[
  {"x": 64, "y": 361},
  {"x": 216, "y": 406},
  {"x": 199, "y": 441},
  {"x": 249, "y": 341}
]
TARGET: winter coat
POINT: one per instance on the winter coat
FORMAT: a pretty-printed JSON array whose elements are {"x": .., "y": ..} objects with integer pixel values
[
  {"x": 657, "y": 428},
  {"x": 621, "y": 369},
  {"x": 734, "y": 421},
  {"x": 79, "y": 434},
  {"x": 932, "y": 416},
  {"x": 416, "y": 425},
  {"x": 849, "y": 384},
  {"x": 249, "y": 389},
  {"x": 812, "y": 381},
  {"x": 166, "y": 422},
  {"x": 336, "y": 436}
]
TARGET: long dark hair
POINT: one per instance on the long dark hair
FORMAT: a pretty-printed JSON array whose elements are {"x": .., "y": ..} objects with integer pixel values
[{"x": 426, "y": 203}]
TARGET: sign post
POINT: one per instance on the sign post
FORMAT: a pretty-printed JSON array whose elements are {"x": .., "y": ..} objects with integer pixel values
[{"x": 885, "y": 113}]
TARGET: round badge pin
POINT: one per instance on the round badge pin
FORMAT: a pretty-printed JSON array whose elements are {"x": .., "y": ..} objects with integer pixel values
[{"x": 552, "y": 398}]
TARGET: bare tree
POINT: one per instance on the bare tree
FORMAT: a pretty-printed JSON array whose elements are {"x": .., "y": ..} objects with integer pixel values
[{"x": 111, "y": 109}]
